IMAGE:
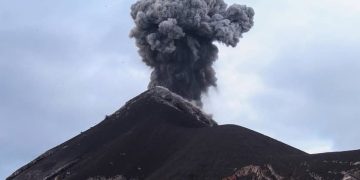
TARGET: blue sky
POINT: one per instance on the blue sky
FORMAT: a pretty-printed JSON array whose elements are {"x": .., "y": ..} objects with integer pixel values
[{"x": 64, "y": 65}]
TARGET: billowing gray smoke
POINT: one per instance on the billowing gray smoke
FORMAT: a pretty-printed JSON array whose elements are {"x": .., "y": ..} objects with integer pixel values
[{"x": 175, "y": 38}]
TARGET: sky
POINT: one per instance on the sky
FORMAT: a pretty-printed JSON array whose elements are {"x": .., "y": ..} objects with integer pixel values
[{"x": 64, "y": 65}]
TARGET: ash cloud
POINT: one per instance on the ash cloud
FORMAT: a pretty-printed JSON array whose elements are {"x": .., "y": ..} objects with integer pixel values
[{"x": 175, "y": 38}]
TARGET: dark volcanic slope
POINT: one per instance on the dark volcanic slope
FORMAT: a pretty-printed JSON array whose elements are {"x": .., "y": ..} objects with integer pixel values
[{"x": 158, "y": 135}]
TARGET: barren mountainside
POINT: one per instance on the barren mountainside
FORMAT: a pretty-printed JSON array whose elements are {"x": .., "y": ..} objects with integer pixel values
[{"x": 159, "y": 135}]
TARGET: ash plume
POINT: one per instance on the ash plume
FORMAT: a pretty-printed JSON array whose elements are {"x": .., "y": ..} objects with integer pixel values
[{"x": 175, "y": 38}]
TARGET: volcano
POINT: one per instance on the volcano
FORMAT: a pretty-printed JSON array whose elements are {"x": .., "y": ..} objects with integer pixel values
[{"x": 159, "y": 135}]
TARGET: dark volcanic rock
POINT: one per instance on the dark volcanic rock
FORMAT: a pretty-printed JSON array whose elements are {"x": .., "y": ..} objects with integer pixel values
[{"x": 159, "y": 135}]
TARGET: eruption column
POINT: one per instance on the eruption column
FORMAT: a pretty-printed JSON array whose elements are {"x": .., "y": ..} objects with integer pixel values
[{"x": 175, "y": 38}]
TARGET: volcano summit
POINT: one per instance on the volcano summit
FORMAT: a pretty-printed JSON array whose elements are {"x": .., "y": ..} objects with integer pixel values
[{"x": 159, "y": 135}]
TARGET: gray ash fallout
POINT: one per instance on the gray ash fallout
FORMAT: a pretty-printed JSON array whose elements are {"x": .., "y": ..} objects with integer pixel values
[{"x": 175, "y": 38}]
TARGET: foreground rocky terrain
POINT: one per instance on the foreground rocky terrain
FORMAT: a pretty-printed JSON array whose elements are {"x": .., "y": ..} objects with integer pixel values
[{"x": 159, "y": 135}]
